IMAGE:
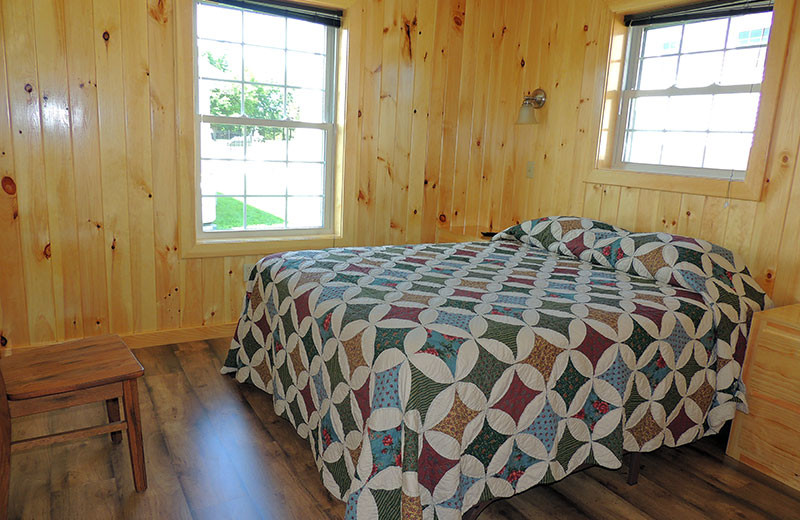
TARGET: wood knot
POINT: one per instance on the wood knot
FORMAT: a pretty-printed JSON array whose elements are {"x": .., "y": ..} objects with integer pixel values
[
  {"x": 785, "y": 158},
  {"x": 114, "y": 244},
  {"x": 688, "y": 213},
  {"x": 46, "y": 251},
  {"x": 458, "y": 21},
  {"x": 3, "y": 341},
  {"x": 28, "y": 88},
  {"x": 442, "y": 218},
  {"x": 106, "y": 36},
  {"x": 9, "y": 186},
  {"x": 769, "y": 275},
  {"x": 585, "y": 28}
]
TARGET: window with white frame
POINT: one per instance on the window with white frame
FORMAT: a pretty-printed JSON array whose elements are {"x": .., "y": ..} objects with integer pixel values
[
  {"x": 265, "y": 119},
  {"x": 691, "y": 95}
]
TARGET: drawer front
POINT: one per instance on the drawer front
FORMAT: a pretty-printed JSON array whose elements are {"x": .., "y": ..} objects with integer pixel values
[
  {"x": 768, "y": 441},
  {"x": 774, "y": 369}
]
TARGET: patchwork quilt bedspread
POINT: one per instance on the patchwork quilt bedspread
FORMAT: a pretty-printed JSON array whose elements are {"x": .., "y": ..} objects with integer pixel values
[{"x": 428, "y": 378}]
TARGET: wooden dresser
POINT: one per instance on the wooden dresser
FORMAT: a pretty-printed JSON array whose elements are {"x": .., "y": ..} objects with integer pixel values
[{"x": 768, "y": 438}]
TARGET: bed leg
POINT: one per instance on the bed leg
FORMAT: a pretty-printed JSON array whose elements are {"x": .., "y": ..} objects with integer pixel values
[{"x": 634, "y": 463}]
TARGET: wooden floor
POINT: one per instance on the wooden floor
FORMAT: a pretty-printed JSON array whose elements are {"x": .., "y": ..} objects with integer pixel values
[{"x": 216, "y": 450}]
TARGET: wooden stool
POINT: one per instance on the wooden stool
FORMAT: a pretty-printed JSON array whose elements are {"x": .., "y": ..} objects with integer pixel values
[{"x": 71, "y": 374}]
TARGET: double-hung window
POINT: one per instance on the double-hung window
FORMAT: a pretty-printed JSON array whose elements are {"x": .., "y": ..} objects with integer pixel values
[
  {"x": 265, "y": 120},
  {"x": 692, "y": 89}
]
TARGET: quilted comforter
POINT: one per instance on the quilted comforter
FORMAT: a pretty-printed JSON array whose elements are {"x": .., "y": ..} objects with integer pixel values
[{"x": 428, "y": 378}]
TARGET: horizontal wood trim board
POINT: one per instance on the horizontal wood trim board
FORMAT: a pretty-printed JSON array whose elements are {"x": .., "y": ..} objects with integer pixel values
[{"x": 46, "y": 440}]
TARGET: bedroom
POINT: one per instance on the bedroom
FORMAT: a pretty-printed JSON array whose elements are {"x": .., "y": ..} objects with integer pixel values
[{"x": 114, "y": 222}]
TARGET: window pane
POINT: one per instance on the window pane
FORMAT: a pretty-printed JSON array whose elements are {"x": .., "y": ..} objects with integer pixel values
[
  {"x": 263, "y": 65},
  {"x": 223, "y": 213},
  {"x": 734, "y": 112},
  {"x": 219, "y": 23},
  {"x": 305, "y": 105},
  {"x": 751, "y": 29},
  {"x": 221, "y": 177},
  {"x": 305, "y": 36},
  {"x": 728, "y": 151},
  {"x": 658, "y": 42},
  {"x": 264, "y": 29},
  {"x": 220, "y": 98},
  {"x": 683, "y": 149},
  {"x": 305, "y": 179},
  {"x": 699, "y": 70},
  {"x": 689, "y": 112},
  {"x": 658, "y": 73},
  {"x": 643, "y": 147},
  {"x": 650, "y": 113},
  {"x": 221, "y": 141},
  {"x": 219, "y": 60},
  {"x": 704, "y": 36},
  {"x": 306, "y": 144},
  {"x": 268, "y": 144},
  {"x": 266, "y": 212},
  {"x": 263, "y": 102},
  {"x": 305, "y": 70},
  {"x": 743, "y": 66},
  {"x": 266, "y": 178},
  {"x": 304, "y": 212}
]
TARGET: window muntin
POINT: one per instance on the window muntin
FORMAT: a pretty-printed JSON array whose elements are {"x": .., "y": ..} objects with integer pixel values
[
  {"x": 265, "y": 90},
  {"x": 691, "y": 96}
]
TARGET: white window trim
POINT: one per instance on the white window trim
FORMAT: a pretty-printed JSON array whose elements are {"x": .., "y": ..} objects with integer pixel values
[
  {"x": 329, "y": 126},
  {"x": 629, "y": 93}
]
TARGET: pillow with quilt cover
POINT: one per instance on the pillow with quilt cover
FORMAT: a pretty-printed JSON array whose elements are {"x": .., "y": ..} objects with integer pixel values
[{"x": 714, "y": 272}]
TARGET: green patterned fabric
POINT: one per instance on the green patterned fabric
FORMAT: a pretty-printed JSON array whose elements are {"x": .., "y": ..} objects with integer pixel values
[{"x": 427, "y": 378}]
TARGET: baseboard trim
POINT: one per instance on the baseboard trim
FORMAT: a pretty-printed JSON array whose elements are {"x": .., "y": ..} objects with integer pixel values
[{"x": 165, "y": 337}]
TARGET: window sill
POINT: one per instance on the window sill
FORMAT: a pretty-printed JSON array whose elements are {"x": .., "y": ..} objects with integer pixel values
[
  {"x": 749, "y": 189},
  {"x": 217, "y": 247}
]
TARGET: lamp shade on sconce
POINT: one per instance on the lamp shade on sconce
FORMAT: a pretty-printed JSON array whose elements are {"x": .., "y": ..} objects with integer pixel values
[{"x": 530, "y": 103}]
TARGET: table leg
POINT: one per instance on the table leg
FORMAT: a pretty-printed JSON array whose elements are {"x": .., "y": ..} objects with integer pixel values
[{"x": 130, "y": 398}]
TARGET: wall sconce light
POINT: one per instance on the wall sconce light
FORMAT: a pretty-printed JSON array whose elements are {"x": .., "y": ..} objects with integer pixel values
[{"x": 532, "y": 101}]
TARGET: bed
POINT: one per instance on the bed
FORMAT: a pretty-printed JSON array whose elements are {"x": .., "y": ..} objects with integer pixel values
[{"x": 431, "y": 378}]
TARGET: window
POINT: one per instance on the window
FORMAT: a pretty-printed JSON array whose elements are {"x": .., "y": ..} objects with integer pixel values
[
  {"x": 691, "y": 96},
  {"x": 265, "y": 106}
]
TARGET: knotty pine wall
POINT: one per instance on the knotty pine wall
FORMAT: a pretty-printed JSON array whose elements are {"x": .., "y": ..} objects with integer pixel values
[
  {"x": 88, "y": 151},
  {"x": 570, "y": 66}
]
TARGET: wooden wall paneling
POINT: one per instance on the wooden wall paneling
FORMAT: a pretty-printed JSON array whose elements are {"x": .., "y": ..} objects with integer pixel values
[
  {"x": 384, "y": 175},
  {"x": 788, "y": 287},
  {"x": 669, "y": 208},
  {"x": 772, "y": 214},
  {"x": 739, "y": 229},
  {"x": 715, "y": 219},
  {"x": 523, "y": 146},
  {"x": 473, "y": 186},
  {"x": 13, "y": 306},
  {"x": 353, "y": 29},
  {"x": 592, "y": 201},
  {"x": 647, "y": 218},
  {"x": 214, "y": 301},
  {"x": 85, "y": 133},
  {"x": 113, "y": 162},
  {"x": 234, "y": 287},
  {"x": 514, "y": 136},
  {"x": 490, "y": 187},
  {"x": 23, "y": 97},
  {"x": 609, "y": 205},
  {"x": 454, "y": 56},
  {"x": 423, "y": 58},
  {"x": 136, "y": 76},
  {"x": 628, "y": 207},
  {"x": 189, "y": 297},
  {"x": 160, "y": 28},
  {"x": 54, "y": 101},
  {"x": 475, "y": 19},
  {"x": 407, "y": 27},
  {"x": 691, "y": 214},
  {"x": 370, "y": 114}
]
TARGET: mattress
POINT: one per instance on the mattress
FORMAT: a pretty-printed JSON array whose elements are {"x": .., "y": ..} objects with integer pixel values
[{"x": 428, "y": 378}]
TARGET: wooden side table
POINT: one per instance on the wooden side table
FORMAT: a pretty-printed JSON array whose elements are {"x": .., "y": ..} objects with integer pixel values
[
  {"x": 767, "y": 438},
  {"x": 71, "y": 374}
]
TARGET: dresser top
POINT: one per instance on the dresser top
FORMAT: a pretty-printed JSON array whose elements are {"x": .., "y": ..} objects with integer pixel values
[{"x": 787, "y": 315}]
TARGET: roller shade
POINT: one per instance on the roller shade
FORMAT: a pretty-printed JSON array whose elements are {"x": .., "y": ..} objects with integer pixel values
[
  {"x": 701, "y": 11},
  {"x": 307, "y": 13}
]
